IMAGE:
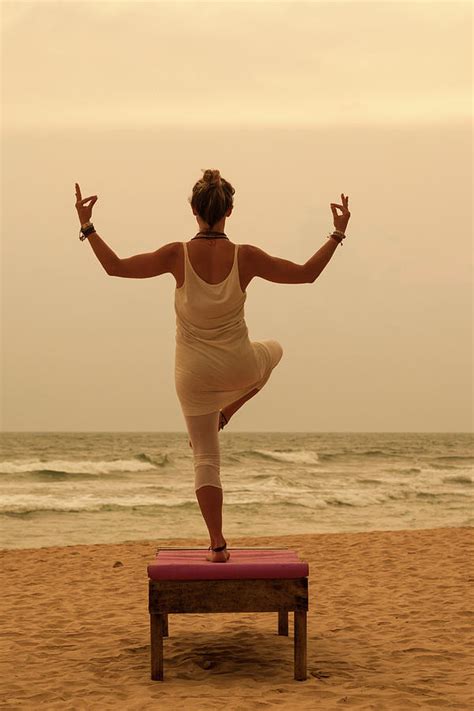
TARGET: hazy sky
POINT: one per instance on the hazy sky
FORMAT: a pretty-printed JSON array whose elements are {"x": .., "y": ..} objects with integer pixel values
[{"x": 294, "y": 102}]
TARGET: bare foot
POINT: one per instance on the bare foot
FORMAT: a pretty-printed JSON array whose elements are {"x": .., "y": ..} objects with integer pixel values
[
  {"x": 223, "y": 416},
  {"x": 220, "y": 557}
]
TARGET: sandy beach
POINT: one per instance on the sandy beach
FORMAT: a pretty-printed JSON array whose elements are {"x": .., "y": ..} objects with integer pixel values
[{"x": 389, "y": 627}]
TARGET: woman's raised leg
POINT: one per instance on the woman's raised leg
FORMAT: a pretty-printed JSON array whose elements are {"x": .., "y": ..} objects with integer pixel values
[{"x": 275, "y": 352}]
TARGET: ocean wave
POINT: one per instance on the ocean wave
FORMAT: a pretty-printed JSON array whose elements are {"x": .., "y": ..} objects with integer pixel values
[
  {"x": 455, "y": 457},
  {"x": 160, "y": 462},
  {"x": 451, "y": 462},
  {"x": 65, "y": 467},
  {"x": 372, "y": 453},
  {"x": 404, "y": 470},
  {"x": 245, "y": 502},
  {"x": 460, "y": 479},
  {"x": 287, "y": 456},
  {"x": 20, "y": 510},
  {"x": 338, "y": 501}
]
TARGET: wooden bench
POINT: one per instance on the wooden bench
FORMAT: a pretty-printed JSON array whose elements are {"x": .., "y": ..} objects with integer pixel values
[{"x": 181, "y": 580}]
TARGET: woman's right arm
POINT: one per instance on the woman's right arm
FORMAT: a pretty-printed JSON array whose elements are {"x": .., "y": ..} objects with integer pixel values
[
  {"x": 282, "y": 271},
  {"x": 263, "y": 265},
  {"x": 315, "y": 265}
]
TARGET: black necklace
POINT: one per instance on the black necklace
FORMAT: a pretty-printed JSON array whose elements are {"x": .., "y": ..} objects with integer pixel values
[{"x": 203, "y": 235}]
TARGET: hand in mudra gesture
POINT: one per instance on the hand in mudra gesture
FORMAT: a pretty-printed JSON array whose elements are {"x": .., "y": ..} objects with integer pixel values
[
  {"x": 84, "y": 211},
  {"x": 340, "y": 221}
]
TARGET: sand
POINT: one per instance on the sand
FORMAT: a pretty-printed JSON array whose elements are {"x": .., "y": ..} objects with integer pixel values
[{"x": 389, "y": 627}]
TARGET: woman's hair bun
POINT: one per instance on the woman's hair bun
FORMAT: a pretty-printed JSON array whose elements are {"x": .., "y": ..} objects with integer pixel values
[
  {"x": 212, "y": 197},
  {"x": 212, "y": 177}
]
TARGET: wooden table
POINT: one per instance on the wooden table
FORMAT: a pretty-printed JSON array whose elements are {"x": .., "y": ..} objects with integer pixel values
[{"x": 252, "y": 580}]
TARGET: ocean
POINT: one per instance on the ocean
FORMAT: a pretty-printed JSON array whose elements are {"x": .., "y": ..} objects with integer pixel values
[{"x": 67, "y": 488}]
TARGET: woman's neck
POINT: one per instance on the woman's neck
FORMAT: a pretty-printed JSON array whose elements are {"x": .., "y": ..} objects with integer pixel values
[{"x": 210, "y": 235}]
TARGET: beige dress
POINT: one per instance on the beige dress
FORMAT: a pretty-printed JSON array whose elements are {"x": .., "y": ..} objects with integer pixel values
[{"x": 215, "y": 362}]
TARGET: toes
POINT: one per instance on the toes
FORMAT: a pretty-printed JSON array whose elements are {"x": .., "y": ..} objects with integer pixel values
[{"x": 222, "y": 420}]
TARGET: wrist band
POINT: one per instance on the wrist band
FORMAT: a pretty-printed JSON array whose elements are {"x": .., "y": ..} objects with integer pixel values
[
  {"x": 338, "y": 236},
  {"x": 86, "y": 229}
]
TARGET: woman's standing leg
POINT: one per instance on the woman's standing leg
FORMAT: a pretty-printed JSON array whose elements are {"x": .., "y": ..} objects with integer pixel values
[{"x": 203, "y": 432}]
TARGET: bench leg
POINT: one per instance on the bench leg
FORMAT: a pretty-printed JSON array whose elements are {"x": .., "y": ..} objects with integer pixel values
[
  {"x": 156, "y": 639},
  {"x": 165, "y": 624},
  {"x": 300, "y": 645},
  {"x": 283, "y": 622}
]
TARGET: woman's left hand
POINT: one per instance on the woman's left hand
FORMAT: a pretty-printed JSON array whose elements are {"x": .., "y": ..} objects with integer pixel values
[{"x": 84, "y": 212}]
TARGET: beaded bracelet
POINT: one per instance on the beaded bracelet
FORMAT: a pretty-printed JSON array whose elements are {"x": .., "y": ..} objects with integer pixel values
[
  {"x": 338, "y": 236},
  {"x": 86, "y": 229}
]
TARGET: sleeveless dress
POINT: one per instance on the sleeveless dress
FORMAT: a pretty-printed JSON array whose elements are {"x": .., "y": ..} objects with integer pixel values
[{"x": 215, "y": 362}]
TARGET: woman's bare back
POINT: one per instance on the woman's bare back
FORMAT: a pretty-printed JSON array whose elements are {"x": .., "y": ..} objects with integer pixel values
[{"x": 212, "y": 261}]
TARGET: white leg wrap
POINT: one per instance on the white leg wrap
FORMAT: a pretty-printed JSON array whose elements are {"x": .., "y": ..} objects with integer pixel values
[{"x": 202, "y": 430}]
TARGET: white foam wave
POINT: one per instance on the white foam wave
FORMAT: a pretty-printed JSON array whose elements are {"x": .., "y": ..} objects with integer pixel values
[
  {"x": 295, "y": 457},
  {"x": 68, "y": 466}
]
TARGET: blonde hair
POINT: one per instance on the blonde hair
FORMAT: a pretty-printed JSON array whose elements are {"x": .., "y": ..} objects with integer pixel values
[{"x": 212, "y": 197}]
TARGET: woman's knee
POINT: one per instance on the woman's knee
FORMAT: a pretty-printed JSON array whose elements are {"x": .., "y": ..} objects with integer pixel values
[
  {"x": 206, "y": 454},
  {"x": 278, "y": 350},
  {"x": 206, "y": 475}
]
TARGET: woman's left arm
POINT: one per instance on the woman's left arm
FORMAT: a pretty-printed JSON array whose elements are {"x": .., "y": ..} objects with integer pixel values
[{"x": 149, "y": 264}]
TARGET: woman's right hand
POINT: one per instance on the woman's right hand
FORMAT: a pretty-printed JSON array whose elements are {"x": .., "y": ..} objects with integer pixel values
[{"x": 340, "y": 221}]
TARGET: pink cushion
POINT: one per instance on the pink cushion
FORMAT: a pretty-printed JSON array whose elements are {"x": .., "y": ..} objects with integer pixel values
[{"x": 192, "y": 565}]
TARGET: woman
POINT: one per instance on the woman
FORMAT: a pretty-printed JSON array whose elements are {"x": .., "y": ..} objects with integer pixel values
[{"x": 217, "y": 367}]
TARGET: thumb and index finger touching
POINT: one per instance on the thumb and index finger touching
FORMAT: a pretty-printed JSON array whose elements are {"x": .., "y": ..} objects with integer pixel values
[
  {"x": 80, "y": 198},
  {"x": 343, "y": 207}
]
